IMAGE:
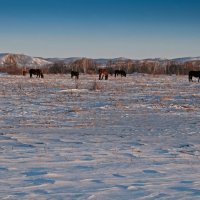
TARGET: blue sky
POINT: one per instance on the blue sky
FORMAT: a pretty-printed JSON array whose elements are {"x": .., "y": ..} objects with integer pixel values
[{"x": 101, "y": 28}]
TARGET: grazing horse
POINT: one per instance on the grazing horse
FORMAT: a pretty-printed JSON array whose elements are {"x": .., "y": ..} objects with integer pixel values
[
  {"x": 102, "y": 73},
  {"x": 122, "y": 72},
  {"x": 74, "y": 73},
  {"x": 37, "y": 72},
  {"x": 195, "y": 74}
]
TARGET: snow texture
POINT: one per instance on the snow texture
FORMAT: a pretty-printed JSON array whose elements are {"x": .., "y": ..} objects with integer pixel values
[{"x": 124, "y": 138}]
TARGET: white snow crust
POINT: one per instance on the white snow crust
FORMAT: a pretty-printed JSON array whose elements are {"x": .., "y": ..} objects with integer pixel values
[{"x": 124, "y": 138}]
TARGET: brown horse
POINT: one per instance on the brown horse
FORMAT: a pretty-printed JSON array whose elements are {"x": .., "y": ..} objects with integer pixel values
[
  {"x": 37, "y": 72},
  {"x": 24, "y": 71},
  {"x": 102, "y": 73}
]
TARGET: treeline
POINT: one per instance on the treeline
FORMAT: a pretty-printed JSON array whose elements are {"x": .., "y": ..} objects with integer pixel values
[
  {"x": 83, "y": 65},
  {"x": 90, "y": 66}
]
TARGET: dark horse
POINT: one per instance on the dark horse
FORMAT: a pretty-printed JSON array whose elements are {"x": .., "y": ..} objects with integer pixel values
[
  {"x": 102, "y": 73},
  {"x": 74, "y": 73},
  {"x": 195, "y": 74},
  {"x": 122, "y": 72},
  {"x": 37, "y": 72}
]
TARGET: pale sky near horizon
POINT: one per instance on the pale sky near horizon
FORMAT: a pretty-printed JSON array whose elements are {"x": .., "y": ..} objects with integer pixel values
[{"x": 101, "y": 28}]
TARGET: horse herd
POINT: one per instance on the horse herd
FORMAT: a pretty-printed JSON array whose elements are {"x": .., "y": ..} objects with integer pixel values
[{"x": 103, "y": 74}]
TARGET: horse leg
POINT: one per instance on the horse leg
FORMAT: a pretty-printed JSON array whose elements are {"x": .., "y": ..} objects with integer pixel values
[{"x": 99, "y": 76}]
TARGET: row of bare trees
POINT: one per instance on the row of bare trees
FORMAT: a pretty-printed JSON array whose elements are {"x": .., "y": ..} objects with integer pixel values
[
  {"x": 83, "y": 65},
  {"x": 90, "y": 66}
]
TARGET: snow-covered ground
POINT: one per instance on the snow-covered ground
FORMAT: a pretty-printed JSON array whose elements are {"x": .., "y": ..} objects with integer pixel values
[{"x": 125, "y": 138}]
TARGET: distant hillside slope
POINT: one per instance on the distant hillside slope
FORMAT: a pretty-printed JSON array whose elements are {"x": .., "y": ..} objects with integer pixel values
[
  {"x": 20, "y": 60},
  {"x": 11, "y": 62}
]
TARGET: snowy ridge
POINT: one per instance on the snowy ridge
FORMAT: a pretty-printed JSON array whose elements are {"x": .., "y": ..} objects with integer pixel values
[
  {"x": 65, "y": 60},
  {"x": 22, "y": 60},
  {"x": 186, "y": 59},
  {"x": 104, "y": 61}
]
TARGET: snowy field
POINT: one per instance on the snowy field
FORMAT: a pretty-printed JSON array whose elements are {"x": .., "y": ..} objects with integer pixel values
[{"x": 125, "y": 138}]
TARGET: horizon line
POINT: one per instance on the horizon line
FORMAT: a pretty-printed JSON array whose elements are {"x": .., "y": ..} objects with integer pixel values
[{"x": 122, "y": 57}]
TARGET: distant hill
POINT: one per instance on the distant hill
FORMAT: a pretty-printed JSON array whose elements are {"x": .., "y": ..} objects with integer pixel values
[
  {"x": 65, "y": 60},
  {"x": 104, "y": 61},
  {"x": 186, "y": 59},
  {"x": 22, "y": 60},
  {"x": 99, "y": 61}
]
